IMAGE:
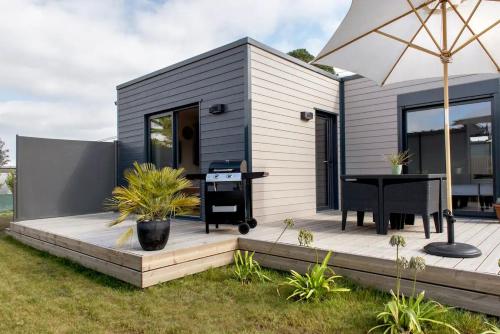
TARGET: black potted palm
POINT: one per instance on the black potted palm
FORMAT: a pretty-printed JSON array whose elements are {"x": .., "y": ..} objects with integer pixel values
[{"x": 154, "y": 196}]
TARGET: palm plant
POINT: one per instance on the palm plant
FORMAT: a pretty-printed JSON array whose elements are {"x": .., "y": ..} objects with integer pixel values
[
  {"x": 315, "y": 284},
  {"x": 246, "y": 268},
  {"x": 151, "y": 194}
]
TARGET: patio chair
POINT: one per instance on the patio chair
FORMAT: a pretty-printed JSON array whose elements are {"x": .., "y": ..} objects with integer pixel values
[
  {"x": 417, "y": 198},
  {"x": 359, "y": 197}
]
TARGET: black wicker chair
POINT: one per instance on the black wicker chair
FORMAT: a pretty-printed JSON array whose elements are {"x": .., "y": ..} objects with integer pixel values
[
  {"x": 359, "y": 197},
  {"x": 417, "y": 198}
]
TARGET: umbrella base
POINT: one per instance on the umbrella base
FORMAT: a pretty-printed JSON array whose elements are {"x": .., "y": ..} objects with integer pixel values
[{"x": 456, "y": 250}]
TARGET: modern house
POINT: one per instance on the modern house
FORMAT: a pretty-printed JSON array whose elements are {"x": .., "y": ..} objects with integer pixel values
[
  {"x": 305, "y": 127},
  {"x": 246, "y": 101}
]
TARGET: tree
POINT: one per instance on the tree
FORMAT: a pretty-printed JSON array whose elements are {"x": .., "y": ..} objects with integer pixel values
[
  {"x": 10, "y": 181},
  {"x": 305, "y": 56},
  {"x": 4, "y": 154}
]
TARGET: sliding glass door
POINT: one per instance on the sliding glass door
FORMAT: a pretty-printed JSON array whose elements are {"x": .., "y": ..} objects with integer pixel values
[
  {"x": 173, "y": 141},
  {"x": 471, "y": 150}
]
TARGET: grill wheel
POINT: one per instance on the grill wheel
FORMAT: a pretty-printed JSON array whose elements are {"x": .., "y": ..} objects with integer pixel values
[
  {"x": 243, "y": 228},
  {"x": 252, "y": 222}
]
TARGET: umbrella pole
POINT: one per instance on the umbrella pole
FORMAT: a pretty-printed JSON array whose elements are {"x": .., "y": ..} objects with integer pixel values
[
  {"x": 447, "y": 144},
  {"x": 445, "y": 59},
  {"x": 450, "y": 248}
]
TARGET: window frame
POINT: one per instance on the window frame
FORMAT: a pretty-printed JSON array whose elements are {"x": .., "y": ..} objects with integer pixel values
[{"x": 486, "y": 90}]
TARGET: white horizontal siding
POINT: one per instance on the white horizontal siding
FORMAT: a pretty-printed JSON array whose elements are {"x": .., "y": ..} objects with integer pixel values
[
  {"x": 371, "y": 121},
  {"x": 282, "y": 144}
]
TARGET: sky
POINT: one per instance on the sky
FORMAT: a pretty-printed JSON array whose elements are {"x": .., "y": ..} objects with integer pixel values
[{"x": 61, "y": 60}]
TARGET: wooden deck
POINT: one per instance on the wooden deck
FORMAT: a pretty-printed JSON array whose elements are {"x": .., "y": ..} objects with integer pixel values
[{"x": 359, "y": 253}]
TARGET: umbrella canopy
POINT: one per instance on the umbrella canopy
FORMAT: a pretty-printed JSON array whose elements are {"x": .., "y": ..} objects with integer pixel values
[
  {"x": 398, "y": 40},
  {"x": 391, "y": 41}
]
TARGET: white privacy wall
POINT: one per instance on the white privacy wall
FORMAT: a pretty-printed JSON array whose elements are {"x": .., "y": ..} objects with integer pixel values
[
  {"x": 281, "y": 143},
  {"x": 371, "y": 121}
]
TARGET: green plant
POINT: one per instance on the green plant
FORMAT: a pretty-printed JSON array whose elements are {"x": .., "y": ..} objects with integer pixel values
[
  {"x": 287, "y": 222},
  {"x": 400, "y": 158},
  {"x": 151, "y": 194},
  {"x": 246, "y": 268},
  {"x": 4, "y": 154},
  {"x": 10, "y": 181},
  {"x": 305, "y": 238},
  {"x": 492, "y": 329},
  {"x": 316, "y": 284},
  {"x": 398, "y": 241},
  {"x": 413, "y": 314}
]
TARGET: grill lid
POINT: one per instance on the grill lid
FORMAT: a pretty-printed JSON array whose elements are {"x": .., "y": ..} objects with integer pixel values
[{"x": 228, "y": 166}]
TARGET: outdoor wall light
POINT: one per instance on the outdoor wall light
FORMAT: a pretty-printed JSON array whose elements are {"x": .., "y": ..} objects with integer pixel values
[
  {"x": 306, "y": 115},
  {"x": 217, "y": 109}
]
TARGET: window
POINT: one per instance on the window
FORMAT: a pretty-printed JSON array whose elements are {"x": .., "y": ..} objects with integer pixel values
[
  {"x": 161, "y": 141},
  {"x": 471, "y": 150}
]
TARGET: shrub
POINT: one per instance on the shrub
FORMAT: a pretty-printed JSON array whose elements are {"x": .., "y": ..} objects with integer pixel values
[
  {"x": 316, "y": 284},
  {"x": 414, "y": 314},
  {"x": 10, "y": 181},
  {"x": 305, "y": 238},
  {"x": 246, "y": 269}
]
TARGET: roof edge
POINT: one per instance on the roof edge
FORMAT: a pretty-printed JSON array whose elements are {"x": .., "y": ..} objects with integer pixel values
[
  {"x": 232, "y": 45},
  {"x": 352, "y": 77},
  {"x": 291, "y": 59}
]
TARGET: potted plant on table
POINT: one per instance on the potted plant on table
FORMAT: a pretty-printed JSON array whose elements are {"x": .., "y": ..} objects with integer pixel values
[
  {"x": 154, "y": 196},
  {"x": 398, "y": 160}
]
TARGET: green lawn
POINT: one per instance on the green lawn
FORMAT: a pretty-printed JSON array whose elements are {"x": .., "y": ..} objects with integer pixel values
[
  {"x": 44, "y": 294},
  {"x": 5, "y": 218}
]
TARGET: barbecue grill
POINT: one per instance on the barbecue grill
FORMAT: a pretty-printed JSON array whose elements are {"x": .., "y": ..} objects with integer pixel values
[{"x": 228, "y": 194}]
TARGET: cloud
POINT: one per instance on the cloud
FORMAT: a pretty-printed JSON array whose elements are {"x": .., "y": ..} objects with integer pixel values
[{"x": 61, "y": 60}]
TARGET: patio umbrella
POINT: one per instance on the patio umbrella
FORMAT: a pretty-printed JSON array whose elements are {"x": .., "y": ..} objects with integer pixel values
[{"x": 391, "y": 41}]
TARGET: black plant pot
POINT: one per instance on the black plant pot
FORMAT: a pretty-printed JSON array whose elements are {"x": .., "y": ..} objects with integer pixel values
[{"x": 153, "y": 235}]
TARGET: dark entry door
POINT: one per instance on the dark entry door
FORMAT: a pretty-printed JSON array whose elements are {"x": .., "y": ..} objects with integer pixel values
[{"x": 326, "y": 161}]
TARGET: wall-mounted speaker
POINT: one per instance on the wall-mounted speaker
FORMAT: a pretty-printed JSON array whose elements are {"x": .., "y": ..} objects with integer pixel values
[
  {"x": 306, "y": 115},
  {"x": 217, "y": 109}
]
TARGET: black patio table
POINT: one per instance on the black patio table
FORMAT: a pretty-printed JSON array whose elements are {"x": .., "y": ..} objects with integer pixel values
[{"x": 381, "y": 180}]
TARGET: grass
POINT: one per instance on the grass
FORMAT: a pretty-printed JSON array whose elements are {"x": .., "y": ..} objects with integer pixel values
[
  {"x": 44, "y": 294},
  {"x": 5, "y": 218}
]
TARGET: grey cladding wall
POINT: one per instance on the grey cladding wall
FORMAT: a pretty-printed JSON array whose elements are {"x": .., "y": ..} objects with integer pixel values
[
  {"x": 371, "y": 119},
  {"x": 62, "y": 177},
  {"x": 215, "y": 77}
]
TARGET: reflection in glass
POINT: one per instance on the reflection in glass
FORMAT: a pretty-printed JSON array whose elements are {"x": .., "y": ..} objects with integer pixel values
[
  {"x": 471, "y": 150},
  {"x": 162, "y": 144}
]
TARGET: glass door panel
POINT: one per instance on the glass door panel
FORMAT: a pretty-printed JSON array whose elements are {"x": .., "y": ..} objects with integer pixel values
[
  {"x": 161, "y": 141},
  {"x": 471, "y": 151}
]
